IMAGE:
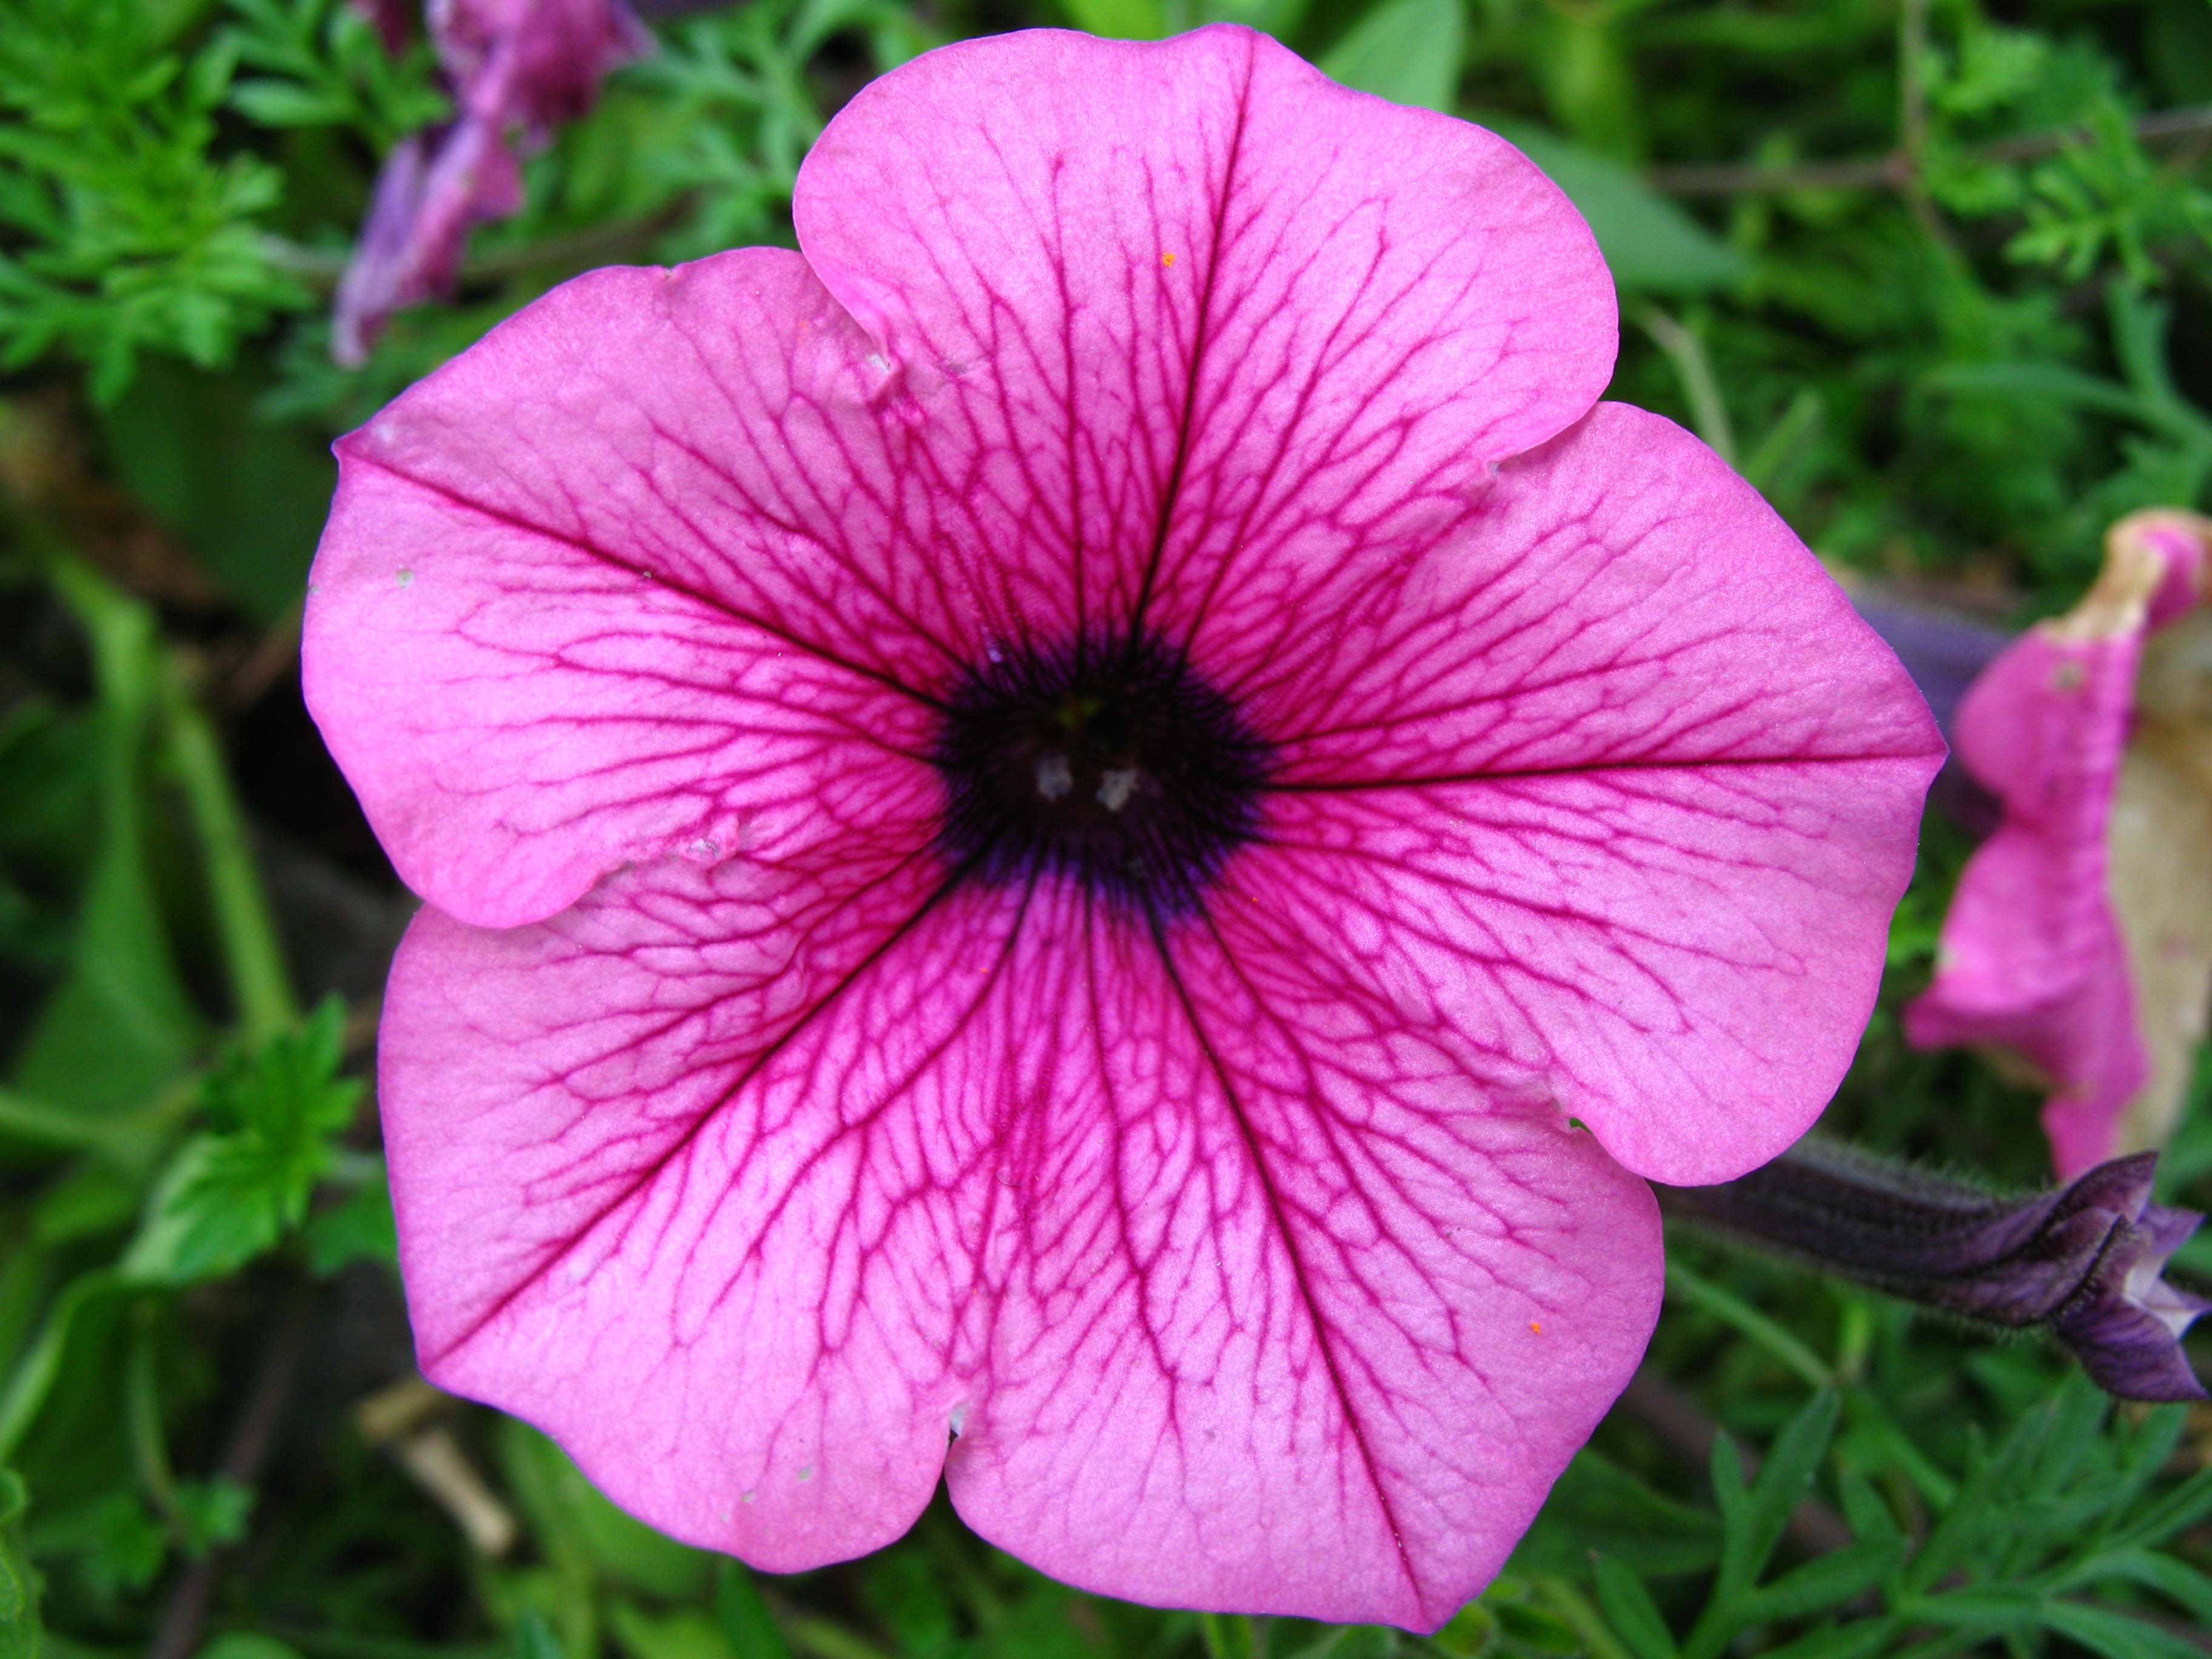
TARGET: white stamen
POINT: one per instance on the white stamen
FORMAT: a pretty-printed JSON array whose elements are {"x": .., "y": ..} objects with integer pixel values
[
  {"x": 1054, "y": 775},
  {"x": 1116, "y": 788}
]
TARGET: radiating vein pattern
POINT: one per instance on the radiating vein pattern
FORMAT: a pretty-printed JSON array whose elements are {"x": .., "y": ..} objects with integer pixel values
[{"x": 1086, "y": 838}]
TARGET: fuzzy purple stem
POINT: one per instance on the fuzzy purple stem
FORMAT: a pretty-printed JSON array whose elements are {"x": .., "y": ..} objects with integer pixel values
[{"x": 2083, "y": 1260}]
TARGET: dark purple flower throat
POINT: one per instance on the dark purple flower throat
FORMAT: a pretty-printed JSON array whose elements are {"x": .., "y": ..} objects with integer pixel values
[{"x": 1115, "y": 766}]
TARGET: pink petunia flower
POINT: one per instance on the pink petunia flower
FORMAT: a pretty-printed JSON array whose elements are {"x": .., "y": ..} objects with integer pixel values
[
  {"x": 2089, "y": 910},
  {"x": 519, "y": 69},
  {"x": 1087, "y": 838}
]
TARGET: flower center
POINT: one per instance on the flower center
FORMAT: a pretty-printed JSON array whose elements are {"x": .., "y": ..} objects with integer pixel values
[{"x": 1113, "y": 764}]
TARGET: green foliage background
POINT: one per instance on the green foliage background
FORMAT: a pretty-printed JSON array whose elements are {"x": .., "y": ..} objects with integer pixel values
[{"x": 1936, "y": 275}]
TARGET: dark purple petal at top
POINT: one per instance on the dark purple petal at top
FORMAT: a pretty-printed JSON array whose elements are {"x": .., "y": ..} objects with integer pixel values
[
  {"x": 426, "y": 204},
  {"x": 536, "y": 62},
  {"x": 394, "y": 21},
  {"x": 2084, "y": 1260},
  {"x": 517, "y": 68}
]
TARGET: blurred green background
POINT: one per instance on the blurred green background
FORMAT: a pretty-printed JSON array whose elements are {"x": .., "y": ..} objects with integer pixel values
[{"x": 1936, "y": 275}]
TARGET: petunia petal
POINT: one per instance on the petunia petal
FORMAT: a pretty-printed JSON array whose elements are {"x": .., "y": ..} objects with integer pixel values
[
  {"x": 2033, "y": 959},
  {"x": 626, "y": 577},
  {"x": 681, "y": 1177},
  {"x": 1196, "y": 290},
  {"x": 751, "y": 1187},
  {"x": 1287, "y": 1319},
  {"x": 1612, "y": 789}
]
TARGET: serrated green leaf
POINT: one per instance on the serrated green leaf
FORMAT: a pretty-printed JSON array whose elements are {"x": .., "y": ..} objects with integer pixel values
[
  {"x": 228, "y": 1196},
  {"x": 1407, "y": 50},
  {"x": 1629, "y": 1608}
]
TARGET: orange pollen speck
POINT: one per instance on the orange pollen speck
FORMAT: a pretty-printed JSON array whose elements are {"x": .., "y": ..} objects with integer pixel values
[
  {"x": 1167, "y": 259},
  {"x": 1534, "y": 1327}
]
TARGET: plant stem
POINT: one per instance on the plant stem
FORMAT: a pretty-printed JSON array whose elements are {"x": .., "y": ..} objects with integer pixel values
[
  {"x": 260, "y": 985},
  {"x": 1700, "y": 386},
  {"x": 150, "y": 1449},
  {"x": 1731, "y": 1309},
  {"x": 1895, "y": 171}
]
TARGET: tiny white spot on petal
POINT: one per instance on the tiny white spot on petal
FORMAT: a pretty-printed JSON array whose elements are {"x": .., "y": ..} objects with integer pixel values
[
  {"x": 1055, "y": 777},
  {"x": 403, "y": 577}
]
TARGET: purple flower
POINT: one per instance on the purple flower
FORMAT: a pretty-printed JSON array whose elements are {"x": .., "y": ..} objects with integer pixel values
[
  {"x": 2080, "y": 940},
  {"x": 518, "y": 68},
  {"x": 1084, "y": 837},
  {"x": 2083, "y": 1261}
]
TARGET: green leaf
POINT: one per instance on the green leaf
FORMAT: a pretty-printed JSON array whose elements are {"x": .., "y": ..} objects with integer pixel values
[
  {"x": 120, "y": 1025},
  {"x": 1407, "y": 50},
  {"x": 214, "y": 1512},
  {"x": 1988, "y": 1610},
  {"x": 1783, "y": 1483},
  {"x": 1121, "y": 20},
  {"x": 1825, "y": 1581},
  {"x": 1629, "y": 1608},
  {"x": 534, "y": 1639},
  {"x": 1652, "y": 246},
  {"x": 359, "y": 1228},
  {"x": 246, "y": 1645},
  {"x": 1228, "y": 1636},
  {"x": 744, "y": 1614},
  {"x": 680, "y": 1633},
  {"x": 19, "y": 1584},
  {"x": 245, "y": 495},
  {"x": 2176, "y": 1580},
  {"x": 2116, "y": 1635},
  {"x": 229, "y": 1195},
  {"x": 1869, "y": 1638},
  {"x": 585, "y": 1530}
]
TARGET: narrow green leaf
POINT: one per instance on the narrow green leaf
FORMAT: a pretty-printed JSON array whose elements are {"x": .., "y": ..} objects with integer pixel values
[
  {"x": 534, "y": 1637},
  {"x": 1629, "y": 1608},
  {"x": 2116, "y": 1635},
  {"x": 1868, "y": 1638},
  {"x": 1407, "y": 50},
  {"x": 2176, "y": 1580},
  {"x": 1228, "y": 1636},
  {"x": 1652, "y": 244},
  {"x": 1121, "y": 20},
  {"x": 121, "y": 1024},
  {"x": 1787, "y": 1476},
  {"x": 1826, "y": 1581},
  {"x": 19, "y": 1584},
  {"x": 745, "y": 1615}
]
